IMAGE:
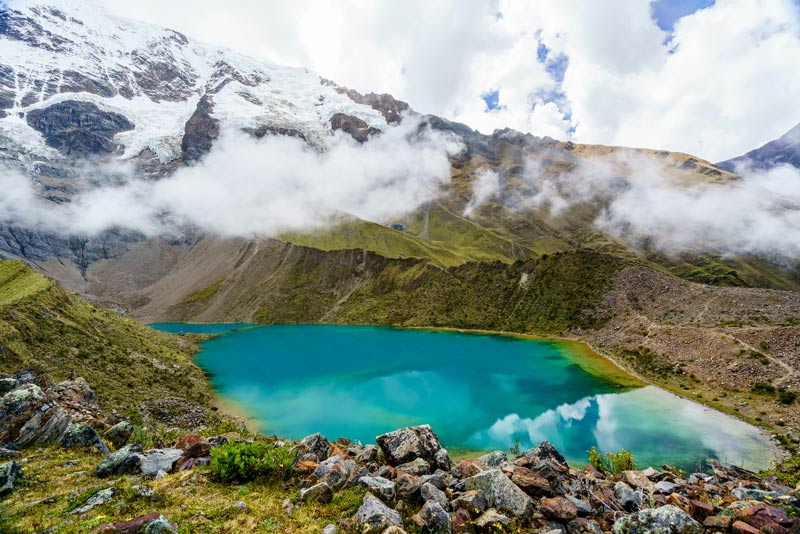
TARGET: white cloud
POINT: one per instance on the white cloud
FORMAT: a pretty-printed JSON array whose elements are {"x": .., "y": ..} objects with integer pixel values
[
  {"x": 729, "y": 85},
  {"x": 248, "y": 187},
  {"x": 485, "y": 186}
]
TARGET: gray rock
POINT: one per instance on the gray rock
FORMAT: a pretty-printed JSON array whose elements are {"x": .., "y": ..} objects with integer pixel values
[
  {"x": 373, "y": 516},
  {"x": 415, "y": 467},
  {"x": 330, "y": 528},
  {"x": 752, "y": 494},
  {"x": 321, "y": 493},
  {"x": 7, "y": 384},
  {"x": 500, "y": 492},
  {"x": 29, "y": 418},
  {"x": 380, "y": 486},
  {"x": 543, "y": 451},
  {"x": 119, "y": 434},
  {"x": 429, "y": 492},
  {"x": 126, "y": 461},
  {"x": 314, "y": 447},
  {"x": 145, "y": 493},
  {"x": 492, "y": 521},
  {"x": 98, "y": 499},
  {"x": 367, "y": 455},
  {"x": 156, "y": 460},
  {"x": 629, "y": 499},
  {"x": 493, "y": 459},
  {"x": 241, "y": 505},
  {"x": 335, "y": 471},
  {"x": 435, "y": 517},
  {"x": 160, "y": 526},
  {"x": 82, "y": 436},
  {"x": 665, "y": 487},
  {"x": 667, "y": 519},
  {"x": 10, "y": 473},
  {"x": 473, "y": 501},
  {"x": 407, "y": 444},
  {"x": 583, "y": 526},
  {"x": 583, "y": 507}
]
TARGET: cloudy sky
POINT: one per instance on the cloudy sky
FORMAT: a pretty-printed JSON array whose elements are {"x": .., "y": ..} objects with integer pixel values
[{"x": 711, "y": 78}]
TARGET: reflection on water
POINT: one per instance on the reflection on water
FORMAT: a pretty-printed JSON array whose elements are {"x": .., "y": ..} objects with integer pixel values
[{"x": 476, "y": 391}]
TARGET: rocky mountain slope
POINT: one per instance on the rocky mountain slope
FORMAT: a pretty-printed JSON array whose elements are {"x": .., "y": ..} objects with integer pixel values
[{"x": 782, "y": 151}]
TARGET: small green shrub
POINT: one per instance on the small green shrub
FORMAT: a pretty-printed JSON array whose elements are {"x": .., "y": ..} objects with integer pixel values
[
  {"x": 786, "y": 397},
  {"x": 763, "y": 387},
  {"x": 251, "y": 461},
  {"x": 612, "y": 462}
]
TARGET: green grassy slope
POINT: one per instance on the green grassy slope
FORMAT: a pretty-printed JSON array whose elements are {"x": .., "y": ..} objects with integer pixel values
[{"x": 45, "y": 328}]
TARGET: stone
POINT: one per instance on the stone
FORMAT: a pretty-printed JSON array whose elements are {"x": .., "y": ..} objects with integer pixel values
[
  {"x": 583, "y": 526},
  {"x": 718, "y": 522},
  {"x": 380, "y": 486},
  {"x": 543, "y": 451},
  {"x": 740, "y": 527},
  {"x": 460, "y": 521},
  {"x": 637, "y": 480},
  {"x": 492, "y": 521},
  {"x": 335, "y": 471},
  {"x": 558, "y": 508},
  {"x": 161, "y": 525},
  {"x": 753, "y": 494},
  {"x": 529, "y": 482},
  {"x": 761, "y": 515},
  {"x": 394, "y": 530},
  {"x": 435, "y": 518},
  {"x": 330, "y": 528},
  {"x": 119, "y": 434},
  {"x": 314, "y": 447},
  {"x": 416, "y": 467},
  {"x": 321, "y": 493},
  {"x": 493, "y": 459},
  {"x": 156, "y": 460},
  {"x": 100, "y": 498},
  {"x": 407, "y": 444},
  {"x": 29, "y": 418},
  {"x": 10, "y": 474},
  {"x": 373, "y": 516},
  {"x": 473, "y": 501},
  {"x": 135, "y": 525},
  {"x": 582, "y": 507},
  {"x": 126, "y": 461},
  {"x": 627, "y": 498},
  {"x": 429, "y": 492},
  {"x": 665, "y": 487},
  {"x": 668, "y": 519},
  {"x": 700, "y": 510},
  {"x": 145, "y": 493},
  {"x": 82, "y": 436},
  {"x": 500, "y": 492}
]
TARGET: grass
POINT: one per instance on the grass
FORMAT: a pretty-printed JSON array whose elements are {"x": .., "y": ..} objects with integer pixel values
[
  {"x": 204, "y": 294},
  {"x": 192, "y": 499},
  {"x": 18, "y": 281}
]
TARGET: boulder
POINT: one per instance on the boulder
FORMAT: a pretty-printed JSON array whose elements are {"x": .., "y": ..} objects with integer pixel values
[
  {"x": 753, "y": 494},
  {"x": 314, "y": 448},
  {"x": 407, "y": 444},
  {"x": 493, "y": 459},
  {"x": 543, "y": 451},
  {"x": 429, "y": 492},
  {"x": 637, "y": 480},
  {"x": 156, "y": 460},
  {"x": 126, "y": 461},
  {"x": 82, "y": 436},
  {"x": 380, "y": 486},
  {"x": 583, "y": 526},
  {"x": 416, "y": 467},
  {"x": 740, "y": 527},
  {"x": 74, "y": 393},
  {"x": 335, "y": 471},
  {"x": 473, "y": 501},
  {"x": 321, "y": 493},
  {"x": 373, "y": 516},
  {"x": 152, "y": 523},
  {"x": 718, "y": 522},
  {"x": 627, "y": 498},
  {"x": 100, "y": 498},
  {"x": 763, "y": 515},
  {"x": 558, "y": 508},
  {"x": 10, "y": 473},
  {"x": 665, "y": 487},
  {"x": 492, "y": 521},
  {"x": 500, "y": 492},
  {"x": 29, "y": 418},
  {"x": 119, "y": 434},
  {"x": 435, "y": 518},
  {"x": 583, "y": 507},
  {"x": 529, "y": 482},
  {"x": 668, "y": 519}
]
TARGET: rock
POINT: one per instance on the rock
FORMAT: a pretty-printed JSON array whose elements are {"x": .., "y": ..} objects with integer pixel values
[
  {"x": 160, "y": 526},
  {"x": 529, "y": 482},
  {"x": 8, "y": 453},
  {"x": 637, "y": 480},
  {"x": 668, "y": 519},
  {"x": 435, "y": 518},
  {"x": 134, "y": 526},
  {"x": 367, "y": 455},
  {"x": 353, "y": 126},
  {"x": 582, "y": 507},
  {"x": 665, "y": 487},
  {"x": 394, "y": 530},
  {"x": 156, "y": 460},
  {"x": 753, "y": 494},
  {"x": 10, "y": 473},
  {"x": 75, "y": 394},
  {"x": 373, "y": 516},
  {"x": 627, "y": 498},
  {"x": 407, "y": 444},
  {"x": 543, "y": 451},
  {"x": 29, "y": 418},
  {"x": 306, "y": 467},
  {"x": 429, "y": 492},
  {"x": 416, "y": 467},
  {"x": 699, "y": 510},
  {"x": 492, "y": 521},
  {"x": 119, "y": 434},
  {"x": 241, "y": 505},
  {"x": 82, "y": 436},
  {"x": 583, "y": 526},
  {"x": 380, "y": 486},
  {"x": 473, "y": 501},
  {"x": 762, "y": 515},
  {"x": 98, "y": 499},
  {"x": 493, "y": 459},
  {"x": 718, "y": 522},
  {"x": 321, "y": 493},
  {"x": 740, "y": 527},
  {"x": 126, "y": 461},
  {"x": 145, "y": 493},
  {"x": 7, "y": 384},
  {"x": 558, "y": 508},
  {"x": 330, "y": 528},
  {"x": 460, "y": 521},
  {"x": 335, "y": 471},
  {"x": 314, "y": 447},
  {"x": 500, "y": 492}
]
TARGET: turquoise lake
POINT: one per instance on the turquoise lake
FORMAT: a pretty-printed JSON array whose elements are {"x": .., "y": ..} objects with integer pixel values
[{"x": 478, "y": 392}]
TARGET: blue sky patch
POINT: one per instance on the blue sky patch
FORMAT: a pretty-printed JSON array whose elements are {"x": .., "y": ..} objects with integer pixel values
[
  {"x": 667, "y": 12},
  {"x": 492, "y": 99}
]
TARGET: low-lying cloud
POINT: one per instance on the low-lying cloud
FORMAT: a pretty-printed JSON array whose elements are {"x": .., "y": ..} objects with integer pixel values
[
  {"x": 642, "y": 198},
  {"x": 248, "y": 187}
]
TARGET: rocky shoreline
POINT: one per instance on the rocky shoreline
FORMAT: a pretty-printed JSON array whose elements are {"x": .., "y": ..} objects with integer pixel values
[{"x": 409, "y": 482}]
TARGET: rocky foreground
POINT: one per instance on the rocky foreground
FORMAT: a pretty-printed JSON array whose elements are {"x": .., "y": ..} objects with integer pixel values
[{"x": 407, "y": 481}]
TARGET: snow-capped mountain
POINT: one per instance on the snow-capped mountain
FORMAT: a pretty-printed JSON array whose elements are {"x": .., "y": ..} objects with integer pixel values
[{"x": 147, "y": 93}]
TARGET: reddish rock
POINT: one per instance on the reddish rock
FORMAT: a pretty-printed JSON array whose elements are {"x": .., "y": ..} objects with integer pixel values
[
  {"x": 134, "y": 526},
  {"x": 558, "y": 508},
  {"x": 761, "y": 515},
  {"x": 187, "y": 440},
  {"x": 461, "y": 521},
  {"x": 740, "y": 527},
  {"x": 198, "y": 450},
  {"x": 306, "y": 467},
  {"x": 680, "y": 501},
  {"x": 718, "y": 522},
  {"x": 467, "y": 468},
  {"x": 700, "y": 510},
  {"x": 530, "y": 482}
]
